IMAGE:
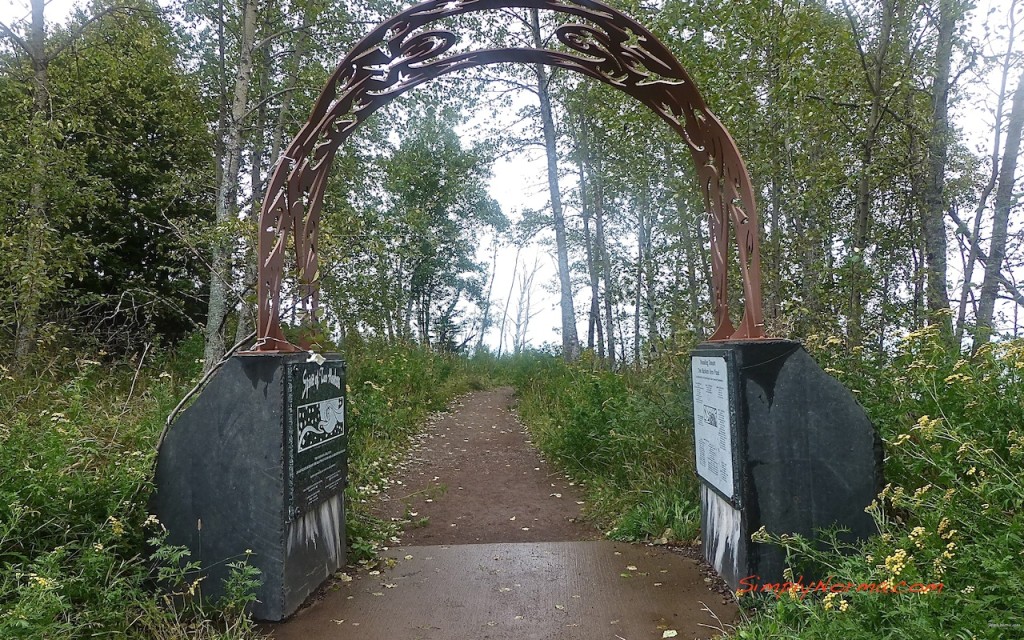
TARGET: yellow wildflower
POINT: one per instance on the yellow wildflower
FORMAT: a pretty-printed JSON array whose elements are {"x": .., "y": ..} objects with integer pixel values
[
  {"x": 828, "y": 601},
  {"x": 897, "y": 561}
]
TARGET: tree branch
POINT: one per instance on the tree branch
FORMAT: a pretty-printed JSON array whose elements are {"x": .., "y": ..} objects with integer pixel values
[
  {"x": 4, "y": 29},
  {"x": 1015, "y": 294}
]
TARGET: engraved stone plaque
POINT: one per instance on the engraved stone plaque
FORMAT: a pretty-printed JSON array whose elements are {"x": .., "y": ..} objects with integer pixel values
[
  {"x": 317, "y": 442},
  {"x": 712, "y": 422}
]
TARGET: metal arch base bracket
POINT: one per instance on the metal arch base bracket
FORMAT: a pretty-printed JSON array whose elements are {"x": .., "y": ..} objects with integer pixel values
[{"x": 403, "y": 53}]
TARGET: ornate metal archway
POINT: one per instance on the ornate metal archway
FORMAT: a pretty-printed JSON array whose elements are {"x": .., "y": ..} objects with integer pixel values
[{"x": 403, "y": 52}]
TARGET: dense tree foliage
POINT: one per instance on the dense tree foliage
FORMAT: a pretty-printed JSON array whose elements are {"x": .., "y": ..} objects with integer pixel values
[{"x": 852, "y": 118}]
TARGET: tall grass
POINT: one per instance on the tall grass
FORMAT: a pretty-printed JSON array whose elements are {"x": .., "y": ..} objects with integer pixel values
[{"x": 628, "y": 437}]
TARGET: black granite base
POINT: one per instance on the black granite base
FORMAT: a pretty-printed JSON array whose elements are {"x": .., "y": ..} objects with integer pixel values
[
  {"x": 251, "y": 471},
  {"x": 805, "y": 455}
]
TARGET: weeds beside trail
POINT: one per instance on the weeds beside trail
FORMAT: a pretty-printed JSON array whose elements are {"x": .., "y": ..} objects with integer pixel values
[
  {"x": 77, "y": 439},
  {"x": 627, "y": 436},
  {"x": 952, "y": 513}
]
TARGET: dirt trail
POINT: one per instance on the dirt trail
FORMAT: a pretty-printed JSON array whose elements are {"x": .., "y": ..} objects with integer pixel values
[
  {"x": 496, "y": 550},
  {"x": 473, "y": 477}
]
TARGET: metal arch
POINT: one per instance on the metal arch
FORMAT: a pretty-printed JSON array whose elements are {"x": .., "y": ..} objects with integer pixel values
[{"x": 401, "y": 54}]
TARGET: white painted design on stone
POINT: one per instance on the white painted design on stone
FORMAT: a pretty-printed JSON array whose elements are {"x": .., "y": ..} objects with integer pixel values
[
  {"x": 724, "y": 525},
  {"x": 711, "y": 422},
  {"x": 320, "y": 528}
]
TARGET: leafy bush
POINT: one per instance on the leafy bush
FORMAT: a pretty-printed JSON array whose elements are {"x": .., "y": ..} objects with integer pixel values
[
  {"x": 951, "y": 519},
  {"x": 77, "y": 449}
]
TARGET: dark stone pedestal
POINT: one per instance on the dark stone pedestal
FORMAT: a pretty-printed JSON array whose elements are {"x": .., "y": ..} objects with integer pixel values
[
  {"x": 780, "y": 444},
  {"x": 258, "y": 464}
]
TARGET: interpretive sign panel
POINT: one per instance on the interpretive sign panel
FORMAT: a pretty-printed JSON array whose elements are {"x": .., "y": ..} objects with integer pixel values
[
  {"x": 315, "y": 425},
  {"x": 712, "y": 422}
]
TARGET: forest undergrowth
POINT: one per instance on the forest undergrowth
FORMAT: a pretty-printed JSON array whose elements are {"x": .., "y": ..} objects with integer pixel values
[
  {"x": 949, "y": 520},
  {"x": 79, "y": 552}
]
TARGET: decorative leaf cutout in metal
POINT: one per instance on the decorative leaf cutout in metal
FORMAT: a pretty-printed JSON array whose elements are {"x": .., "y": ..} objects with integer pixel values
[{"x": 401, "y": 54}]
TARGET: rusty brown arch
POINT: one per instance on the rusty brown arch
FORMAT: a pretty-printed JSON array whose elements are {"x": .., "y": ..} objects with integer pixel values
[{"x": 402, "y": 53}]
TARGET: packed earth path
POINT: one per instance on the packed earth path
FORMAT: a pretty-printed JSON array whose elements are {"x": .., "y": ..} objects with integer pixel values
[{"x": 496, "y": 549}]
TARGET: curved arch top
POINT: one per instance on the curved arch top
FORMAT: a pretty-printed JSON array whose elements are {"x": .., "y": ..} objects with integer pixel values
[{"x": 403, "y": 52}]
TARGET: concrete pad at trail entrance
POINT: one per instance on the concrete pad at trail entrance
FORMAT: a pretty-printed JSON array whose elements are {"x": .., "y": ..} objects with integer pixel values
[{"x": 544, "y": 591}]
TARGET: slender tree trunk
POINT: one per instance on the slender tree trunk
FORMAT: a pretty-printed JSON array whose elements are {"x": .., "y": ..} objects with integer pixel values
[
  {"x": 227, "y": 192},
  {"x": 31, "y": 290},
  {"x": 638, "y": 297},
  {"x": 1000, "y": 219},
  {"x": 485, "y": 319},
  {"x": 247, "y": 250},
  {"x": 508, "y": 301},
  {"x": 594, "y": 329},
  {"x": 691, "y": 257},
  {"x": 650, "y": 281},
  {"x": 935, "y": 201},
  {"x": 605, "y": 260},
  {"x": 570, "y": 341}
]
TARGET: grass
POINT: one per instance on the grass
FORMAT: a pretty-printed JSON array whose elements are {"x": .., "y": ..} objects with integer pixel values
[
  {"x": 76, "y": 453},
  {"x": 628, "y": 438}
]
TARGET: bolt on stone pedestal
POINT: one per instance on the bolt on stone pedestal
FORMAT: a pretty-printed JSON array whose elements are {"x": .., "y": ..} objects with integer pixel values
[
  {"x": 780, "y": 444},
  {"x": 255, "y": 470}
]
